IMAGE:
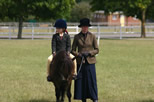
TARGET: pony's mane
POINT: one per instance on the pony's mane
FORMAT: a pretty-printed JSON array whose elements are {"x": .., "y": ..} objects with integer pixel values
[{"x": 62, "y": 64}]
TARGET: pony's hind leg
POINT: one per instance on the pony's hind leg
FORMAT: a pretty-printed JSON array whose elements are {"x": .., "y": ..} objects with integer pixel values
[
  {"x": 57, "y": 94},
  {"x": 69, "y": 95}
]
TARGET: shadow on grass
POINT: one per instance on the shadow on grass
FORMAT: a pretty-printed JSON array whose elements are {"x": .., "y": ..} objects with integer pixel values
[
  {"x": 147, "y": 101},
  {"x": 42, "y": 100},
  {"x": 37, "y": 100}
]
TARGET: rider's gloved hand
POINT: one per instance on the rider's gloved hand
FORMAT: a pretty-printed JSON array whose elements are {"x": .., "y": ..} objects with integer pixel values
[
  {"x": 54, "y": 54},
  {"x": 68, "y": 53}
]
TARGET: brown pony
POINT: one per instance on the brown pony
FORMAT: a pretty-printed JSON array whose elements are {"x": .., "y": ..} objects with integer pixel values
[{"x": 62, "y": 72}]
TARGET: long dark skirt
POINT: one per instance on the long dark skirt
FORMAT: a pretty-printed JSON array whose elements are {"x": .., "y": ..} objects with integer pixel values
[{"x": 86, "y": 84}]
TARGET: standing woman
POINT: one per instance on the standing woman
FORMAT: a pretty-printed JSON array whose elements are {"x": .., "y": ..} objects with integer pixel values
[
  {"x": 60, "y": 41},
  {"x": 86, "y": 43}
]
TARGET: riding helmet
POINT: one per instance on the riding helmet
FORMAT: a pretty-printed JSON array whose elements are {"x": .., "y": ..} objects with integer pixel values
[{"x": 60, "y": 23}]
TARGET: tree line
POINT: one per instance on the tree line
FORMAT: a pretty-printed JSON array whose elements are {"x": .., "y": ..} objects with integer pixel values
[{"x": 72, "y": 10}]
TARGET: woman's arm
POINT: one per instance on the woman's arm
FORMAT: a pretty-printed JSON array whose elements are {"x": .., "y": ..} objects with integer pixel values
[{"x": 95, "y": 45}]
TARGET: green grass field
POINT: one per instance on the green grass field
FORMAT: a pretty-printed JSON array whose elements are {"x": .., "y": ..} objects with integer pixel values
[{"x": 125, "y": 71}]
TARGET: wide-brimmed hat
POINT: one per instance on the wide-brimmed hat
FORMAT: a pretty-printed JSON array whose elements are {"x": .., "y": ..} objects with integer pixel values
[
  {"x": 84, "y": 22},
  {"x": 60, "y": 23}
]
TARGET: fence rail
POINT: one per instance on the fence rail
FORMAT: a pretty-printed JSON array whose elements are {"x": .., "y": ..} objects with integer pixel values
[{"x": 43, "y": 30}]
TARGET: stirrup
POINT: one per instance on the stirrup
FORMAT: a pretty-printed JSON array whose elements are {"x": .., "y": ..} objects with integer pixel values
[
  {"x": 49, "y": 79},
  {"x": 74, "y": 77}
]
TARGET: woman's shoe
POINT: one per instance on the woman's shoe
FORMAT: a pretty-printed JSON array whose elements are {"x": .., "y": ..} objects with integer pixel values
[{"x": 95, "y": 100}]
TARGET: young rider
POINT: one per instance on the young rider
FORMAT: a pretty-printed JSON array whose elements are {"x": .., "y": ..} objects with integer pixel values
[{"x": 60, "y": 41}]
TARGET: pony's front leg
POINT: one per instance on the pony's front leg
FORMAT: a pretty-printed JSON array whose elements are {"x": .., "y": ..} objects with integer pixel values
[
  {"x": 57, "y": 95},
  {"x": 62, "y": 93}
]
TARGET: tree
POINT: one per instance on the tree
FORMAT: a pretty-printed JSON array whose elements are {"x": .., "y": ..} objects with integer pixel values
[
  {"x": 136, "y": 8},
  {"x": 80, "y": 10},
  {"x": 139, "y": 8},
  {"x": 44, "y": 9},
  {"x": 83, "y": 1},
  {"x": 150, "y": 11}
]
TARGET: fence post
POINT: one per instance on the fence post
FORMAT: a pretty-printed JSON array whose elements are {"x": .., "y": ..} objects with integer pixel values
[
  {"x": 77, "y": 29},
  {"x": 120, "y": 32},
  {"x": 132, "y": 29},
  {"x": 32, "y": 32},
  {"x": 98, "y": 31},
  {"x": 10, "y": 33}
]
